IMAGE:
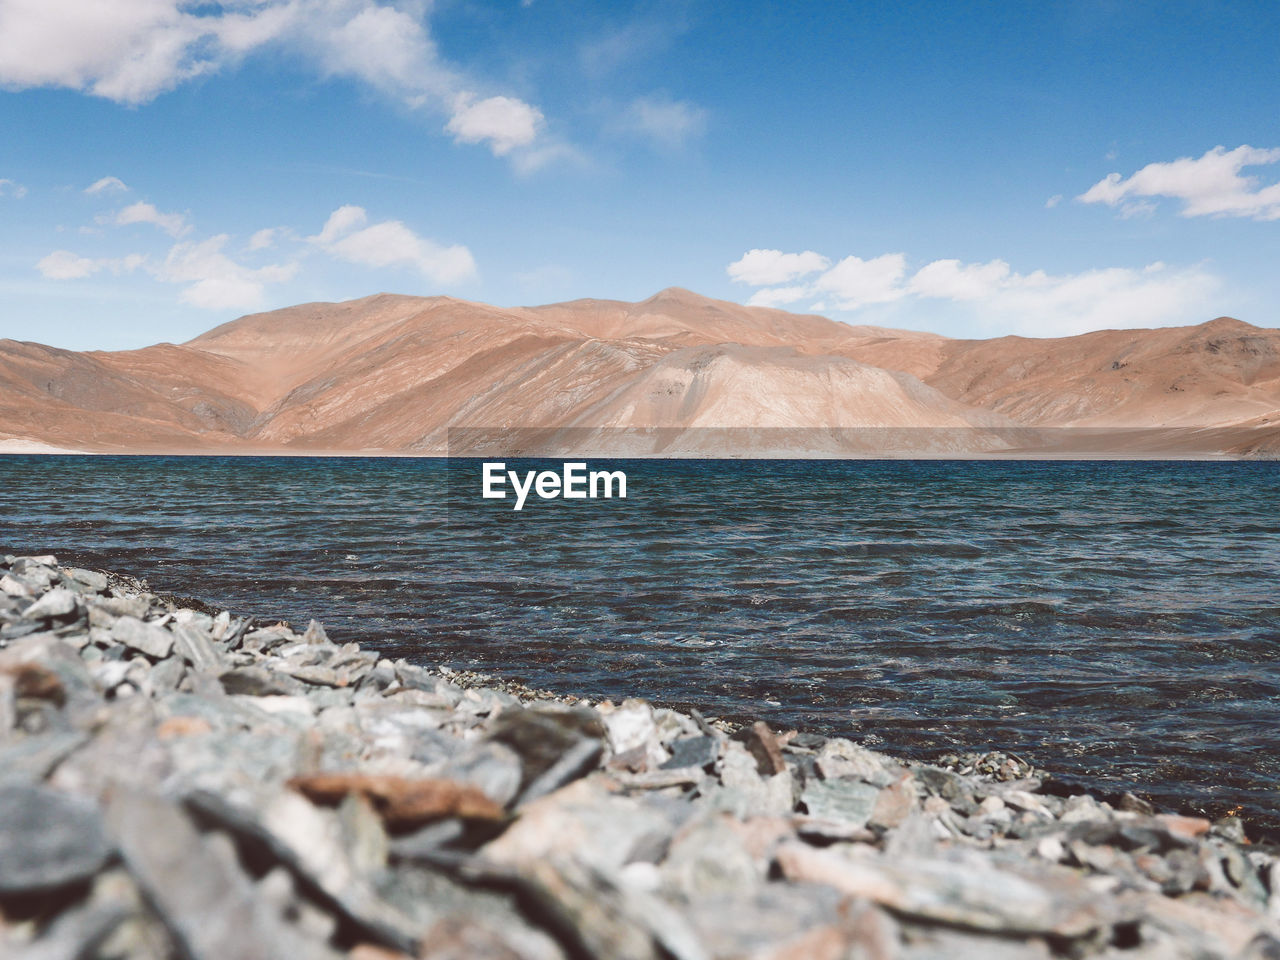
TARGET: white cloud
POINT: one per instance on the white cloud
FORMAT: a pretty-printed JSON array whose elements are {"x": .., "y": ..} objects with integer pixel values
[
  {"x": 953, "y": 280},
  {"x": 65, "y": 265},
  {"x": 854, "y": 282},
  {"x": 212, "y": 278},
  {"x": 668, "y": 123},
  {"x": 131, "y": 51},
  {"x": 780, "y": 296},
  {"x": 766, "y": 267},
  {"x": 10, "y": 189},
  {"x": 391, "y": 243},
  {"x": 106, "y": 185},
  {"x": 216, "y": 282},
  {"x": 1053, "y": 201},
  {"x": 263, "y": 239},
  {"x": 503, "y": 122},
  {"x": 1036, "y": 303},
  {"x": 174, "y": 224},
  {"x": 1211, "y": 185}
]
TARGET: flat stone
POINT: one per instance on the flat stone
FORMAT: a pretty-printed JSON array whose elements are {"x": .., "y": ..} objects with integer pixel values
[
  {"x": 968, "y": 892},
  {"x": 76, "y": 934},
  {"x": 745, "y": 792},
  {"x": 258, "y": 682},
  {"x": 311, "y": 841},
  {"x": 155, "y": 642},
  {"x": 401, "y": 802},
  {"x": 48, "y": 839},
  {"x": 849, "y": 801},
  {"x": 709, "y": 857},
  {"x": 894, "y": 803},
  {"x": 14, "y": 587},
  {"x": 764, "y": 747},
  {"x": 196, "y": 884},
  {"x": 32, "y": 758},
  {"x": 794, "y": 921},
  {"x": 1186, "y": 828},
  {"x": 839, "y": 759},
  {"x": 318, "y": 675},
  {"x": 90, "y": 578},
  {"x": 632, "y": 731},
  {"x": 58, "y": 604},
  {"x": 693, "y": 752},
  {"x": 196, "y": 647},
  {"x": 555, "y": 745},
  {"x": 605, "y": 920},
  {"x": 492, "y": 767},
  {"x": 135, "y": 607},
  {"x": 584, "y": 820}
]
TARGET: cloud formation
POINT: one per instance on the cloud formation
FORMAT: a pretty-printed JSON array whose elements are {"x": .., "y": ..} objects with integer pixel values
[
  {"x": 1036, "y": 303},
  {"x": 390, "y": 243},
  {"x": 174, "y": 224},
  {"x": 214, "y": 280},
  {"x": 1211, "y": 185},
  {"x": 65, "y": 265},
  {"x": 106, "y": 185},
  {"x": 10, "y": 189},
  {"x": 131, "y": 51},
  {"x": 760, "y": 268},
  {"x": 664, "y": 122},
  {"x": 503, "y": 122}
]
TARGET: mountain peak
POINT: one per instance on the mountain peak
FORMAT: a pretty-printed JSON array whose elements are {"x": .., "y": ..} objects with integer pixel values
[
  {"x": 678, "y": 294},
  {"x": 1227, "y": 323}
]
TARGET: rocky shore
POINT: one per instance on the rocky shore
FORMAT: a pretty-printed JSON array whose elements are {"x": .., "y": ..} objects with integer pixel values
[{"x": 177, "y": 781}]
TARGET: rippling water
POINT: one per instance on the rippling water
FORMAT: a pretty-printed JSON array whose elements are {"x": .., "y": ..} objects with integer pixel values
[{"x": 1118, "y": 623}]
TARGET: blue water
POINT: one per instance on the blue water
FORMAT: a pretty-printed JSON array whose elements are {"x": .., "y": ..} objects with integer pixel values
[{"x": 1118, "y": 623}]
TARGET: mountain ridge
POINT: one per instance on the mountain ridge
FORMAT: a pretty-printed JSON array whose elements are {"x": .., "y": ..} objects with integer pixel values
[{"x": 393, "y": 373}]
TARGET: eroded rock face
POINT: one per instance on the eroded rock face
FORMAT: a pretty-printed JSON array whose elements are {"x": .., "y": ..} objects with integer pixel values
[{"x": 174, "y": 783}]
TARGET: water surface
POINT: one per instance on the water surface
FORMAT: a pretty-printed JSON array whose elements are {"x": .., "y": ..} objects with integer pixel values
[{"x": 1116, "y": 622}]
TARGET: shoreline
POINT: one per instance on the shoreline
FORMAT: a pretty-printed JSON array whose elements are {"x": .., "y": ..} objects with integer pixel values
[
  {"x": 1023, "y": 456},
  {"x": 173, "y": 774}
]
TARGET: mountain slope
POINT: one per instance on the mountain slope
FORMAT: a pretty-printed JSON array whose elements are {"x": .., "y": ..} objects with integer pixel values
[{"x": 395, "y": 374}]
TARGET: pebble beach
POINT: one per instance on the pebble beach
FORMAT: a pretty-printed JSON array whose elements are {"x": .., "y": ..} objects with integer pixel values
[{"x": 180, "y": 781}]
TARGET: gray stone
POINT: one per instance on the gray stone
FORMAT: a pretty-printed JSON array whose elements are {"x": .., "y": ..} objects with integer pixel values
[
  {"x": 850, "y": 801},
  {"x": 57, "y": 604},
  {"x": 968, "y": 891},
  {"x": 555, "y": 745},
  {"x": 164, "y": 677},
  {"x": 77, "y": 934},
  {"x": 315, "y": 634},
  {"x": 492, "y": 767},
  {"x": 135, "y": 607},
  {"x": 693, "y": 752},
  {"x": 311, "y": 842},
  {"x": 197, "y": 885},
  {"x": 90, "y": 578},
  {"x": 258, "y": 682},
  {"x": 48, "y": 839},
  {"x": 155, "y": 642},
  {"x": 446, "y": 908},
  {"x": 195, "y": 647},
  {"x": 32, "y": 758},
  {"x": 606, "y": 920},
  {"x": 709, "y": 858}
]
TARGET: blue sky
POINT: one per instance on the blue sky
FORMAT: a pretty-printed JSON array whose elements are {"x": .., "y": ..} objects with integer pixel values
[{"x": 972, "y": 168}]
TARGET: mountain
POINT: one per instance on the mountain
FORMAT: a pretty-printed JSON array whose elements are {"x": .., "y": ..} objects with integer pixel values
[{"x": 677, "y": 373}]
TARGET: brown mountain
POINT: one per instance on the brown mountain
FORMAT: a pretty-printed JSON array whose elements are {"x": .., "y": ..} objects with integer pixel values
[{"x": 677, "y": 373}]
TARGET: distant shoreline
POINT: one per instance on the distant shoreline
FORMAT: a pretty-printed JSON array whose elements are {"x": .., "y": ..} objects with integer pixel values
[{"x": 9, "y": 448}]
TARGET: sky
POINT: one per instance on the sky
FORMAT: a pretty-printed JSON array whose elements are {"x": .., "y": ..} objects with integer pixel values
[{"x": 973, "y": 168}]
